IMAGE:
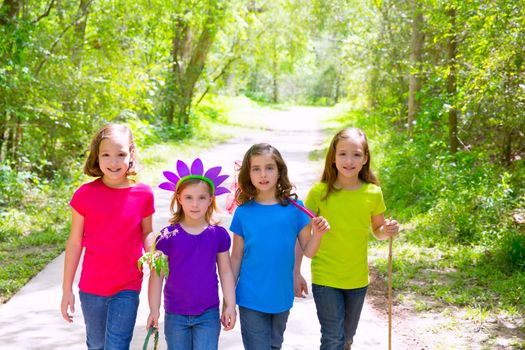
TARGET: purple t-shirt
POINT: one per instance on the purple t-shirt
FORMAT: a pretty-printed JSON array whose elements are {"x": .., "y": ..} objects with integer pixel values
[{"x": 192, "y": 286}]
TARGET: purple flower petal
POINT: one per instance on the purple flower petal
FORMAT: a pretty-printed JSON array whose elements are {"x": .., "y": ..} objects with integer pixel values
[
  {"x": 171, "y": 176},
  {"x": 197, "y": 168},
  {"x": 219, "y": 180},
  {"x": 182, "y": 169},
  {"x": 212, "y": 173},
  {"x": 168, "y": 186},
  {"x": 221, "y": 190}
]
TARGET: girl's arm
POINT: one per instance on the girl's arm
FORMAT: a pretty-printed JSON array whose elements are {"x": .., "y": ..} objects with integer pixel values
[
  {"x": 228, "y": 316},
  {"x": 311, "y": 242},
  {"x": 300, "y": 287},
  {"x": 383, "y": 229},
  {"x": 154, "y": 294},
  {"x": 147, "y": 232},
  {"x": 73, "y": 252},
  {"x": 237, "y": 254}
]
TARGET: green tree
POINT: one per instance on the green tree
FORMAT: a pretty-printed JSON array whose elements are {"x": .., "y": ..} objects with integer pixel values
[{"x": 195, "y": 26}]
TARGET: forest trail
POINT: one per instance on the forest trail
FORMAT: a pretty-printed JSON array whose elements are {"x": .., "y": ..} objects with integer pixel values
[{"x": 31, "y": 319}]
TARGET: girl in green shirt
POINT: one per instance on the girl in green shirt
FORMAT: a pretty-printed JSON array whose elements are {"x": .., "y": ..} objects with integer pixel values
[{"x": 349, "y": 197}]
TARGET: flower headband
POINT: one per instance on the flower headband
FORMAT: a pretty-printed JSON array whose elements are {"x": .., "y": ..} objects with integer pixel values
[{"x": 196, "y": 171}]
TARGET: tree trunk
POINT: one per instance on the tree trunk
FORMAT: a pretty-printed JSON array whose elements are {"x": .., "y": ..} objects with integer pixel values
[
  {"x": 189, "y": 58},
  {"x": 416, "y": 48},
  {"x": 9, "y": 10},
  {"x": 77, "y": 50},
  {"x": 337, "y": 96},
  {"x": 275, "y": 84},
  {"x": 373, "y": 82},
  {"x": 4, "y": 133},
  {"x": 507, "y": 146},
  {"x": 451, "y": 84}
]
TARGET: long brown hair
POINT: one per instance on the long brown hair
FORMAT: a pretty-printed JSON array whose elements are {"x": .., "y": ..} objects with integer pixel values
[
  {"x": 247, "y": 190},
  {"x": 91, "y": 167},
  {"x": 330, "y": 171},
  {"x": 178, "y": 214}
]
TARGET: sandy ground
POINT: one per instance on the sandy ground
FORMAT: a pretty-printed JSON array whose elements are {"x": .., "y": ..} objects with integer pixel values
[{"x": 32, "y": 320}]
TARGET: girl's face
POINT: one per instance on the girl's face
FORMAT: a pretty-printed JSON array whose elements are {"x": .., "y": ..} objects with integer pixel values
[
  {"x": 264, "y": 173},
  {"x": 114, "y": 156},
  {"x": 195, "y": 200},
  {"x": 350, "y": 157}
]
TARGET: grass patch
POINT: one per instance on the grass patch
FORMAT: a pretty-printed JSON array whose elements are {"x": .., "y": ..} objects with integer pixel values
[
  {"x": 23, "y": 259},
  {"x": 30, "y": 241},
  {"x": 453, "y": 276}
]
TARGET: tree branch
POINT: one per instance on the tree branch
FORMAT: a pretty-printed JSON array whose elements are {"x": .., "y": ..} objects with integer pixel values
[
  {"x": 45, "y": 14},
  {"x": 222, "y": 72},
  {"x": 57, "y": 40}
]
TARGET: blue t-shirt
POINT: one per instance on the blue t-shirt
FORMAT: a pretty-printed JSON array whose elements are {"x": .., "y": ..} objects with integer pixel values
[
  {"x": 192, "y": 285},
  {"x": 266, "y": 275}
]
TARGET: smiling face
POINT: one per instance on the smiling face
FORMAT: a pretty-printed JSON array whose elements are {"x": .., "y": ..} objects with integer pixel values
[
  {"x": 114, "y": 157},
  {"x": 195, "y": 199},
  {"x": 350, "y": 157},
  {"x": 264, "y": 173}
]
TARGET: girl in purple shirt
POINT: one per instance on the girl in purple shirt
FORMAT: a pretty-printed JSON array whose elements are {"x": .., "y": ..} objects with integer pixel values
[{"x": 195, "y": 249}]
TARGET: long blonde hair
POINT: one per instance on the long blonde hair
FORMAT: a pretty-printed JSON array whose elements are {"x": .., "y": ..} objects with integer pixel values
[{"x": 330, "y": 171}]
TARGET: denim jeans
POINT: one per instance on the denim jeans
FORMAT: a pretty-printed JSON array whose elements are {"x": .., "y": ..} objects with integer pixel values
[
  {"x": 338, "y": 311},
  {"x": 186, "y": 332},
  {"x": 109, "y": 320},
  {"x": 262, "y": 331}
]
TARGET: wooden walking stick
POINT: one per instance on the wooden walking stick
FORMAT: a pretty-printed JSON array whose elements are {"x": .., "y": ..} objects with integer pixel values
[{"x": 390, "y": 293}]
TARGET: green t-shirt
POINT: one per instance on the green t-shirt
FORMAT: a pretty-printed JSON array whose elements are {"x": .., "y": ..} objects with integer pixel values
[{"x": 342, "y": 259}]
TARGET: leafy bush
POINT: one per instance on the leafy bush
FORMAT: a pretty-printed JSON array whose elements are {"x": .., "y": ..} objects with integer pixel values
[
  {"x": 30, "y": 203},
  {"x": 511, "y": 250},
  {"x": 12, "y": 193}
]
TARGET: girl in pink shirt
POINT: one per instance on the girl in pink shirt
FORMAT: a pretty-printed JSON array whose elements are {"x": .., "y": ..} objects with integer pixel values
[{"x": 111, "y": 222}]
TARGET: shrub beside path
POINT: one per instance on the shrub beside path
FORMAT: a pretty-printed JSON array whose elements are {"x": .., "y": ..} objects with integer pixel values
[{"x": 32, "y": 320}]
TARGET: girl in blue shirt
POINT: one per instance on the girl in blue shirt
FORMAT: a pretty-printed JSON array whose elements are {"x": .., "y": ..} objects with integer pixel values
[{"x": 265, "y": 228}]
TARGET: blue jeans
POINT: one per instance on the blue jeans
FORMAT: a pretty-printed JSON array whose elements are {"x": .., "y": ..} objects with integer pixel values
[
  {"x": 262, "y": 331},
  {"x": 186, "y": 332},
  {"x": 109, "y": 320},
  {"x": 338, "y": 311}
]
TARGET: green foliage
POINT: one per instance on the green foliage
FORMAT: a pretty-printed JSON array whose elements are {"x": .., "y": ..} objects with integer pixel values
[
  {"x": 156, "y": 261},
  {"x": 511, "y": 250},
  {"x": 32, "y": 226},
  {"x": 29, "y": 203}
]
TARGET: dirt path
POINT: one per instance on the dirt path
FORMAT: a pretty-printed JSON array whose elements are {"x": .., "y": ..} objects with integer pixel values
[{"x": 31, "y": 319}]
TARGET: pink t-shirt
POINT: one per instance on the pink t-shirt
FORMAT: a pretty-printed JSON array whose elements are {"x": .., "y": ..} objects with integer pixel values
[{"x": 113, "y": 237}]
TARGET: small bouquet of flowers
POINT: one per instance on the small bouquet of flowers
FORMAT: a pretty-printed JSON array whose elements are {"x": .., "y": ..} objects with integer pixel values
[{"x": 157, "y": 261}]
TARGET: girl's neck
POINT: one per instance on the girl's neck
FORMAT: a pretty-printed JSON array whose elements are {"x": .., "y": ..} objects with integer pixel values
[
  {"x": 116, "y": 183},
  {"x": 194, "y": 227},
  {"x": 267, "y": 197},
  {"x": 348, "y": 183}
]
